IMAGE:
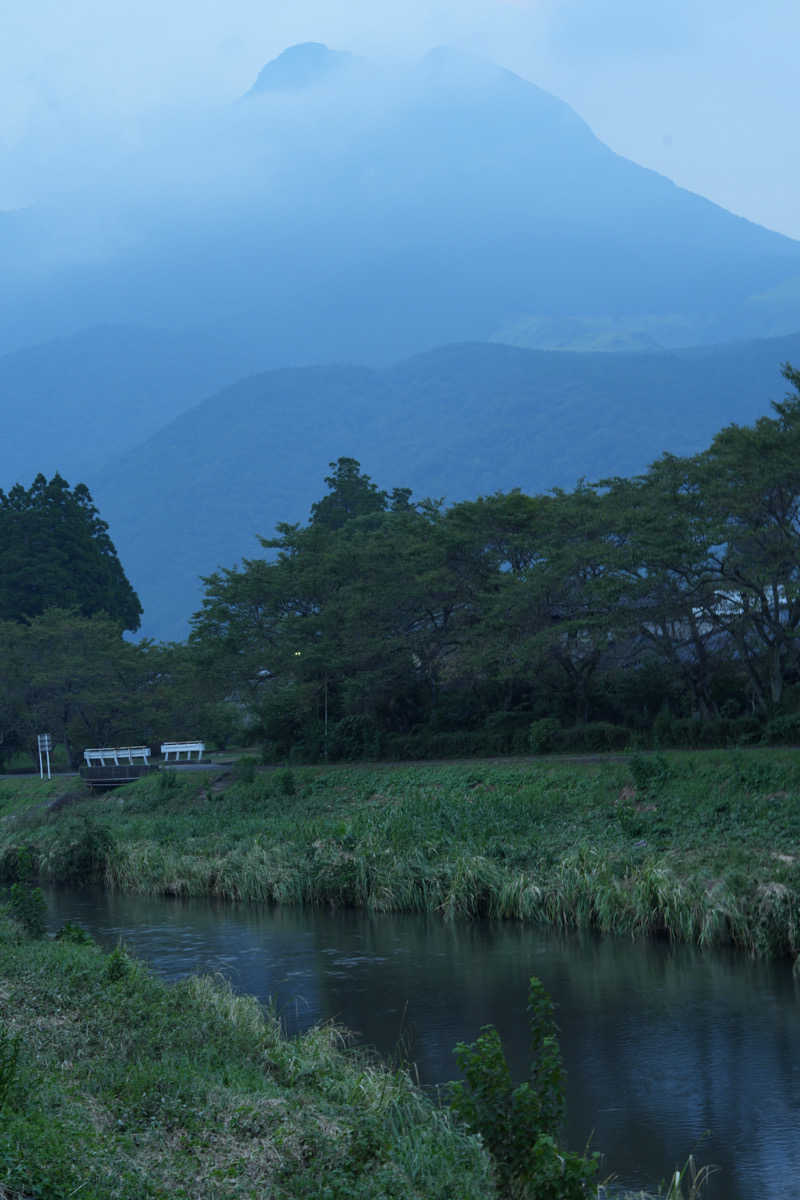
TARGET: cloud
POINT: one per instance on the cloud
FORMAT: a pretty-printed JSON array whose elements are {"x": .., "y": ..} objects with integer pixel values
[{"x": 622, "y": 27}]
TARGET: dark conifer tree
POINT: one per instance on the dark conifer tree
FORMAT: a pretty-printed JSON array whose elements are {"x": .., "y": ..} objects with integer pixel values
[{"x": 55, "y": 551}]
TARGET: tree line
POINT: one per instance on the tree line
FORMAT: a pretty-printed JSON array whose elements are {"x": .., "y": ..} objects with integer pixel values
[
  {"x": 661, "y": 606},
  {"x": 658, "y": 609}
]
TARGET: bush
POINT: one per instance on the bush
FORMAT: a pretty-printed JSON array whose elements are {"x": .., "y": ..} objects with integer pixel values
[
  {"x": 353, "y": 738},
  {"x": 782, "y": 731},
  {"x": 519, "y": 1126},
  {"x": 76, "y": 935},
  {"x": 244, "y": 769},
  {"x": 544, "y": 735},
  {"x": 118, "y": 965},
  {"x": 167, "y": 782},
  {"x": 28, "y": 908},
  {"x": 595, "y": 737},
  {"x": 690, "y": 733},
  {"x": 285, "y": 782},
  {"x": 649, "y": 771},
  {"x": 83, "y": 857},
  {"x": 16, "y": 864},
  {"x": 508, "y": 732}
]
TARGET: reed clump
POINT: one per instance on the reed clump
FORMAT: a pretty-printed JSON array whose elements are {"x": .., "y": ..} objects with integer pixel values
[{"x": 699, "y": 847}]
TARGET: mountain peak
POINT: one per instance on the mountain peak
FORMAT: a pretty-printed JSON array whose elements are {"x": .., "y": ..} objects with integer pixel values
[{"x": 299, "y": 67}]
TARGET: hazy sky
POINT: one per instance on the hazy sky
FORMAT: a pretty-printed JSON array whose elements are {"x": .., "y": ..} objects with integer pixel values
[{"x": 701, "y": 90}]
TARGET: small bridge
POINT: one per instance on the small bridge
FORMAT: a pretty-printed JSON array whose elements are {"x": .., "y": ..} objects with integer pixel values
[{"x": 111, "y": 766}]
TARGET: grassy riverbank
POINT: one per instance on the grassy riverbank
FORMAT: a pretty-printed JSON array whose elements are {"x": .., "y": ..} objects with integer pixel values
[
  {"x": 123, "y": 1087},
  {"x": 702, "y": 847},
  {"x": 117, "y": 1086}
]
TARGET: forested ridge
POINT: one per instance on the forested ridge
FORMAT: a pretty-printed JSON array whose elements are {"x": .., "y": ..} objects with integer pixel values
[
  {"x": 459, "y": 421},
  {"x": 661, "y": 608}
]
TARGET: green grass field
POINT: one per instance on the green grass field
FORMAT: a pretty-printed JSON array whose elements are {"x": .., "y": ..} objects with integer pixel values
[{"x": 702, "y": 847}]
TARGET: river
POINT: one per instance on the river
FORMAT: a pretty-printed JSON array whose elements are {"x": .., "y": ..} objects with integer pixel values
[{"x": 668, "y": 1050}]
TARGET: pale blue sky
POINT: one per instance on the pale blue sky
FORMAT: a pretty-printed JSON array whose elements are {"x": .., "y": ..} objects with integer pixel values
[{"x": 702, "y": 91}]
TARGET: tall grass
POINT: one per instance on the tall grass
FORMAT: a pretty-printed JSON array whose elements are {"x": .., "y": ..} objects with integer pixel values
[
  {"x": 698, "y": 847},
  {"x": 119, "y": 1085}
]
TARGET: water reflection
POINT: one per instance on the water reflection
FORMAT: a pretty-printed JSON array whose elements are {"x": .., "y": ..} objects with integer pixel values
[{"x": 663, "y": 1045}]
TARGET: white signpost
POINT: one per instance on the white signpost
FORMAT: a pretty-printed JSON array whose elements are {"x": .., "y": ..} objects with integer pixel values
[{"x": 45, "y": 746}]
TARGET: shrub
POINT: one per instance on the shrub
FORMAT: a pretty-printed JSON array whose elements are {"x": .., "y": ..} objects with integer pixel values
[
  {"x": 519, "y": 1126},
  {"x": 595, "y": 737},
  {"x": 28, "y": 908},
  {"x": 544, "y": 735},
  {"x": 118, "y": 965},
  {"x": 285, "y": 782},
  {"x": 244, "y": 769},
  {"x": 167, "y": 782},
  {"x": 690, "y": 733},
  {"x": 84, "y": 856},
  {"x": 354, "y": 737},
  {"x": 16, "y": 865},
  {"x": 649, "y": 771},
  {"x": 507, "y": 732},
  {"x": 76, "y": 935},
  {"x": 783, "y": 730}
]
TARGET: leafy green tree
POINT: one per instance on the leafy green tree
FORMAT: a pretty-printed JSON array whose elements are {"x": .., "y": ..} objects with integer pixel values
[
  {"x": 357, "y": 616},
  {"x": 351, "y": 494},
  {"x": 749, "y": 479},
  {"x": 676, "y": 592},
  {"x": 713, "y": 557},
  {"x": 77, "y": 678},
  {"x": 547, "y": 611},
  {"x": 55, "y": 550},
  {"x": 660, "y": 526}
]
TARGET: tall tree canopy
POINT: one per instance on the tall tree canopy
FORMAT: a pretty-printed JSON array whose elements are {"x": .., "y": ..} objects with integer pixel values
[
  {"x": 384, "y": 622},
  {"x": 55, "y": 551}
]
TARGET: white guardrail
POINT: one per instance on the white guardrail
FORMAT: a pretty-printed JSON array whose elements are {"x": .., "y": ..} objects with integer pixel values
[
  {"x": 116, "y": 755},
  {"x": 179, "y": 748}
]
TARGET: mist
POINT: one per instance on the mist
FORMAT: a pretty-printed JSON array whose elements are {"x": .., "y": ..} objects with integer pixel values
[{"x": 695, "y": 91}]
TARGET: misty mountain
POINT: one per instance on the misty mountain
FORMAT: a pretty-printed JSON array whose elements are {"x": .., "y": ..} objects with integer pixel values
[
  {"x": 456, "y": 422},
  {"x": 300, "y": 67},
  {"x": 341, "y": 212}
]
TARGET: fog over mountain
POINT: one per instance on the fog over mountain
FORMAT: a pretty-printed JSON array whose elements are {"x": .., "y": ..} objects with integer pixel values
[
  {"x": 341, "y": 211},
  {"x": 320, "y": 240}
]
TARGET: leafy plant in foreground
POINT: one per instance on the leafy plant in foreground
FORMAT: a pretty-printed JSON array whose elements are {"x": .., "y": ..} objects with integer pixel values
[{"x": 520, "y": 1125}]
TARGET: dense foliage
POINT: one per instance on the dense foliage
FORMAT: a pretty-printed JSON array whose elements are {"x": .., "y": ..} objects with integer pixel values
[
  {"x": 660, "y": 607},
  {"x": 78, "y": 679},
  {"x": 656, "y": 610},
  {"x": 55, "y": 551}
]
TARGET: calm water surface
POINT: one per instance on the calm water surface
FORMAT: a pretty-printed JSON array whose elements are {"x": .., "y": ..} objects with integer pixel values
[{"x": 668, "y": 1051}]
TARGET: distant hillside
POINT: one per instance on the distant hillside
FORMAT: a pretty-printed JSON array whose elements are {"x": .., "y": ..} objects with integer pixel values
[
  {"x": 339, "y": 212},
  {"x": 73, "y": 404},
  {"x": 455, "y": 422}
]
